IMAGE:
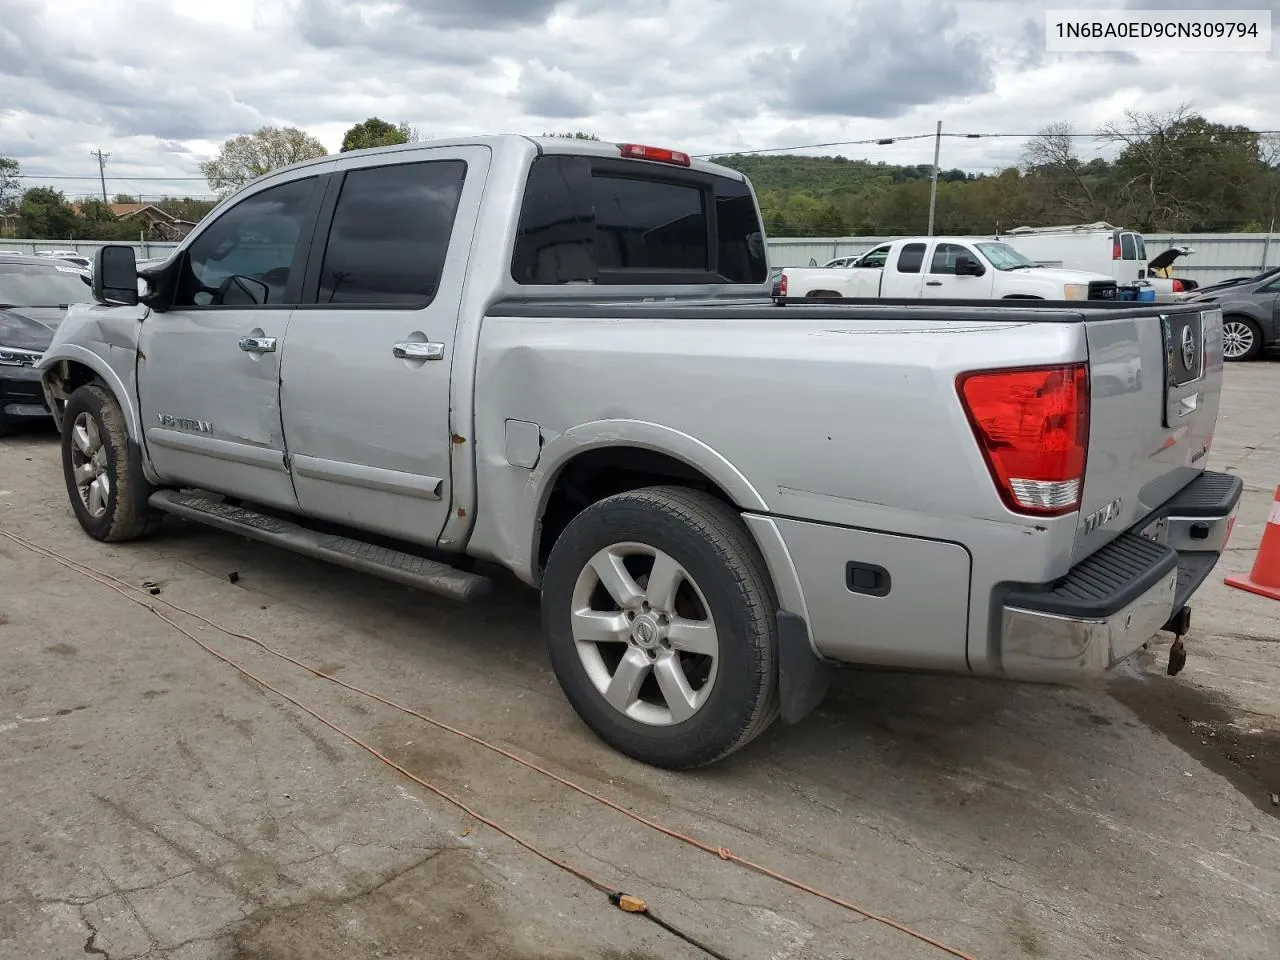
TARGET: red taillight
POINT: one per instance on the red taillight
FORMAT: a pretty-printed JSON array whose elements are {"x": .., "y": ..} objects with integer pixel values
[
  {"x": 1033, "y": 427},
  {"x": 1177, "y": 286},
  {"x": 634, "y": 151},
  {"x": 782, "y": 285},
  {"x": 1115, "y": 250}
]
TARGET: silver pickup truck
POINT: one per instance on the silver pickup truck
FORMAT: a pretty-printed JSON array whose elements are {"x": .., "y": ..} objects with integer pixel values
[{"x": 558, "y": 357}]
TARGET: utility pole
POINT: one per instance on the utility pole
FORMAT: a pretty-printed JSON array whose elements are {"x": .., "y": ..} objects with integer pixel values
[
  {"x": 101, "y": 169},
  {"x": 933, "y": 187}
]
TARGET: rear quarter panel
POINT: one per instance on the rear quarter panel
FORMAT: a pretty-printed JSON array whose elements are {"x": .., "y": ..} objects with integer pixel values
[{"x": 852, "y": 423}]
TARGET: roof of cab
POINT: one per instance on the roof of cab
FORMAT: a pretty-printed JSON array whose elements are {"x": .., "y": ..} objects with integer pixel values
[{"x": 552, "y": 145}]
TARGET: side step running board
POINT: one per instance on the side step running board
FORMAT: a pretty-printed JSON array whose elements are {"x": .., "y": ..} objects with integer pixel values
[{"x": 412, "y": 571}]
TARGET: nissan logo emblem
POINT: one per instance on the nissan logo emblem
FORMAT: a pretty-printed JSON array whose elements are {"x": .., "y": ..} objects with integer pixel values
[{"x": 1188, "y": 349}]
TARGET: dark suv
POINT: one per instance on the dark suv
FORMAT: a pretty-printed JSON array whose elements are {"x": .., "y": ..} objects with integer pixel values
[{"x": 34, "y": 295}]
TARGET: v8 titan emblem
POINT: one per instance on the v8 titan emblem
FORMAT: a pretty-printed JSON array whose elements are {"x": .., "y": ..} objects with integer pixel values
[
  {"x": 185, "y": 423},
  {"x": 1188, "y": 349},
  {"x": 1102, "y": 516}
]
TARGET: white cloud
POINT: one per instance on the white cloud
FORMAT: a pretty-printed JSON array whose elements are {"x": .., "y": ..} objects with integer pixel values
[{"x": 159, "y": 85}]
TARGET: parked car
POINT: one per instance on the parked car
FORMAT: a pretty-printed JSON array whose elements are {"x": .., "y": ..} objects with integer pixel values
[
  {"x": 1250, "y": 313},
  {"x": 34, "y": 295},
  {"x": 67, "y": 256},
  {"x": 556, "y": 356},
  {"x": 949, "y": 268}
]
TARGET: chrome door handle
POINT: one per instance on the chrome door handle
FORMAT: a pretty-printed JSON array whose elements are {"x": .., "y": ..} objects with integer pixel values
[
  {"x": 414, "y": 350},
  {"x": 258, "y": 344},
  {"x": 933, "y": 283}
]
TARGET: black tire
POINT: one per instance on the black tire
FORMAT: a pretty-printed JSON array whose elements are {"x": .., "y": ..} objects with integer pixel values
[
  {"x": 126, "y": 514},
  {"x": 1255, "y": 348},
  {"x": 709, "y": 541}
]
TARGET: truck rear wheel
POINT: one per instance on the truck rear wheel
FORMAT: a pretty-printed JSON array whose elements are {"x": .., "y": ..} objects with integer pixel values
[
  {"x": 660, "y": 620},
  {"x": 103, "y": 471}
]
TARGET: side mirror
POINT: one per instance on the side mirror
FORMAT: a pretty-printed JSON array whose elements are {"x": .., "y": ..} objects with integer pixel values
[
  {"x": 115, "y": 276},
  {"x": 969, "y": 267},
  {"x": 241, "y": 291}
]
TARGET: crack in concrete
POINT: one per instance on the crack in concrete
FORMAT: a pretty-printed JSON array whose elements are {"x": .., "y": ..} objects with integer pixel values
[{"x": 91, "y": 943}]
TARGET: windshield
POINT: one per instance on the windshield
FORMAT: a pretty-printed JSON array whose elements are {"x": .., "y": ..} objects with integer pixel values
[
  {"x": 1004, "y": 257},
  {"x": 38, "y": 285}
]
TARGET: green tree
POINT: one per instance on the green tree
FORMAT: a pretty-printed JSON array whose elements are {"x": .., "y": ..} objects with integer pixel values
[
  {"x": 830, "y": 222},
  {"x": 376, "y": 132},
  {"x": 252, "y": 155},
  {"x": 46, "y": 215},
  {"x": 10, "y": 182}
]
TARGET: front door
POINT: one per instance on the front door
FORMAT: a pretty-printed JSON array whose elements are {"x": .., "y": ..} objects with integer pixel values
[
  {"x": 942, "y": 283},
  {"x": 366, "y": 373},
  {"x": 209, "y": 364}
]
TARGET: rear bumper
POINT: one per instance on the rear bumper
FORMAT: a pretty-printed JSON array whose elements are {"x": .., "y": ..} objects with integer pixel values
[{"x": 1114, "y": 601}]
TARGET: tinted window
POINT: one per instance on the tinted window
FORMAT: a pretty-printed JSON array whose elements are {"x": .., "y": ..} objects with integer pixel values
[
  {"x": 648, "y": 225},
  {"x": 257, "y": 238},
  {"x": 944, "y": 257},
  {"x": 740, "y": 250},
  {"x": 911, "y": 258},
  {"x": 390, "y": 233},
  {"x": 1128, "y": 249},
  {"x": 588, "y": 222}
]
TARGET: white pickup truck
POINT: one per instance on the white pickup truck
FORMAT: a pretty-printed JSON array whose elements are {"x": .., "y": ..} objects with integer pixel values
[
  {"x": 432, "y": 361},
  {"x": 943, "y": 268}
]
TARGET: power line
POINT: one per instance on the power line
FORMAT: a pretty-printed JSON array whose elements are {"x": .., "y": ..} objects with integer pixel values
[{"x": 886, "y": 141}]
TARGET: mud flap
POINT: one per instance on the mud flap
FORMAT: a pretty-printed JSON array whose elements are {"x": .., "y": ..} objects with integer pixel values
[{"x": 803, "y": 678}]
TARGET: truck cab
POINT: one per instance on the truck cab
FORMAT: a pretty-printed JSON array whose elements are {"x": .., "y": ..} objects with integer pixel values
[{"x": 945, "y": 268}]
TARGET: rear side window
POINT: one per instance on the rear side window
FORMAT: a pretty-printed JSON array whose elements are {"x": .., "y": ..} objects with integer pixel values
[
  {"x": 1128, "y": 247},
  {"x": 911, "y": 258},
  {"x": 390, "y": 233},
  {"x": 607, "y": 223}
]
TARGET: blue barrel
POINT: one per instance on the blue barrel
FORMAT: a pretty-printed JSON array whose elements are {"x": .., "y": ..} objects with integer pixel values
[{"x": 1146, "y": 294}]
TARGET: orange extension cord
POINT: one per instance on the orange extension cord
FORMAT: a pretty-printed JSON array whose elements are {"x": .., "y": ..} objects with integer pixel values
[{"x": 624, "y": 901}]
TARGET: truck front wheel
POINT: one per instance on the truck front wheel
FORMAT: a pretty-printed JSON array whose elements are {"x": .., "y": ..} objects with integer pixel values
[
  {"x": 661, "y": 624},
  {"x": 102, "y": 469}
]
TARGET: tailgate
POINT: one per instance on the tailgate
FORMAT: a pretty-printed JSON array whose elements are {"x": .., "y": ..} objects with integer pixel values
[{"x": 1155, "y": 386}]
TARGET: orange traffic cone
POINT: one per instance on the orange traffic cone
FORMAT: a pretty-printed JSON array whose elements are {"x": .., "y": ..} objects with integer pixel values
[{"x": 1264, "y": 579}]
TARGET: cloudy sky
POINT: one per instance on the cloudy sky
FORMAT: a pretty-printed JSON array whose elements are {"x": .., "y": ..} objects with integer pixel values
[{"x": 160, "y": 84}]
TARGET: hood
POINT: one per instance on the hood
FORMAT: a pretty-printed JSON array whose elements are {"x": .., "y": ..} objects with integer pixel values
[
  {"x": 1166, "y": 259},
  {"x": 29, "y": 328}
]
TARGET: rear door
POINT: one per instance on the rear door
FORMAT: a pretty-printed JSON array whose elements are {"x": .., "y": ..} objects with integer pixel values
[
  {"x": 365, "y": 381},
  {"x": 903, "y": 274},
  {"x": 941, "y": 281}
]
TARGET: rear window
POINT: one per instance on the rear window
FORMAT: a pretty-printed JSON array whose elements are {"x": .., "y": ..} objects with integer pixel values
[
  {"x": 911, "y": 257},
  {"x": 607, "y": 222},
  {"x": 1128, "y": 247}
]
